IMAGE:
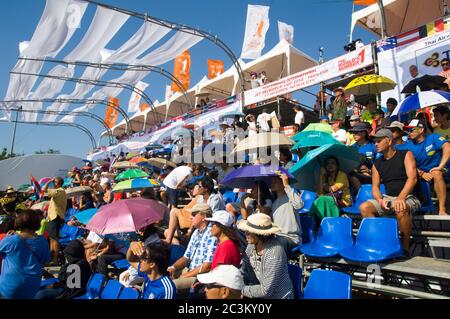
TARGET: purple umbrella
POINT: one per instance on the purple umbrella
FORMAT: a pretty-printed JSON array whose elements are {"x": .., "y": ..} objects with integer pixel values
[
  {"x": 127, "y": 215},
  {"x": 245, "y": 177}
]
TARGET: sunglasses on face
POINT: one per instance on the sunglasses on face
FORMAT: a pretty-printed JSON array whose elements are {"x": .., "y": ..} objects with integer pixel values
[{"x": 444, "y": 64}]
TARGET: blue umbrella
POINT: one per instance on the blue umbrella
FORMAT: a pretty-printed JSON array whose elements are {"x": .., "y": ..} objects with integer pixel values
[
  {"x": 85, "y": 216},
  {"x": 245, "y": 177},
  {"x": 421, "y": 100}
]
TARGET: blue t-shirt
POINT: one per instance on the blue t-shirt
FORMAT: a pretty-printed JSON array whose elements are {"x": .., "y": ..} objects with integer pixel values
[
  {"x": 162, "y": 288},
  {"x": 23, "y": 260},
  {"x": 428, "y": 154},
  {"x": 368, "y": 150}
]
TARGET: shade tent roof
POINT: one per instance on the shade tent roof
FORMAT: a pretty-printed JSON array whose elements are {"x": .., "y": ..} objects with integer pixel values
[{"x": 401, "y": 15}]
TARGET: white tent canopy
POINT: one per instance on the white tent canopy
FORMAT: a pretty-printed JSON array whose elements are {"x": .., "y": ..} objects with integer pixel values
[{"x": 401, "y": 15}]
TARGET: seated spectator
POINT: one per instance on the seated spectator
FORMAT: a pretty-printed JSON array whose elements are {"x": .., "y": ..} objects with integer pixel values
[
  {"x": 199, "y": 253},
  {"x": 65, "y": 288},
  {"x": 264, "y": 266},
  {"x": 354, "y": 119},
  {"x": 107, "y": 189},
  {"x": 151, "y": 262},
  {"x": 284, "y": 212},
  {"x": 432, "y": 153},
  {"x": 224, "y": 282},
  {"x": 377, "y": 121},
  {"x": 441, "y": 117},
  {"x": 286, "y": 158},
  {"x": 296, "y": 129},
  {"x": 86, "y": 202},
  {"x": 105, "y": 256},
  {"x": 227, "y": 250},
  {"x": 391, "y": 104},
  {"x": 368, "y": 152},
  {"x": 397, "y": 171},
  {"x": 333, "y": 190},
  {"x": 368, "y": 114},
  {"x": 258, "y": 200},
  {"x": 338, "y": 133},
  {"x": 397, "y": 132},
  {"x": 209, "y": 196},
  {"x": 23, "y": 255}
]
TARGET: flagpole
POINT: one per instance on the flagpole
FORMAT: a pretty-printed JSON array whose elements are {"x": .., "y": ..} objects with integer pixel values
[
  {"x": 383, "y": 19},
  {"x": 14, "y": 132}
]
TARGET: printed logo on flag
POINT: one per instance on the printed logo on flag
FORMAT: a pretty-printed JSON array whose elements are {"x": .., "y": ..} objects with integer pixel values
[
  {"x": 255, "y": 31},
  {"x": 112, "y": 113},
  {"x": 215, "y": 68},
  {"x": 181, "y": 69}
]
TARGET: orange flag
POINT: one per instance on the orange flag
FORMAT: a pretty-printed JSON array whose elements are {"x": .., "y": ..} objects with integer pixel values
[
  {"x": 364, "y": 2},
  {"x": 215, "y": 68},
  {"x": 181, "y": 69},
  {"x": 112, "y": 114},
  {"x": 144, "y": 106}
]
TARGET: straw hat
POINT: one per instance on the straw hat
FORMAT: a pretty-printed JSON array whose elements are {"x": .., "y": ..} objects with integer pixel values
[
  {"x": 258, "y": 224},
  {"x": 10, "y": 190}
]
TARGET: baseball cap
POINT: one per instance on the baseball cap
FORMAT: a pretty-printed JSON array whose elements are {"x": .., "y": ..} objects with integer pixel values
[
  {"x": 416, "y": 123},
  {"x": 222, "y": 217},
  {"x": 201, "y": 207},
  {"x": 359, "y": 127},
  {"x": 381, "y": 133},
  {"x": 354, "y": 118},
  {"x": 224, "y": 275},
  {"x": 396, "y": 124}
]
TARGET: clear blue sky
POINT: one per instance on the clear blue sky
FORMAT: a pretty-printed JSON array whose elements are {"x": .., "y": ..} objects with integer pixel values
[{"x": 317, "y": 23}]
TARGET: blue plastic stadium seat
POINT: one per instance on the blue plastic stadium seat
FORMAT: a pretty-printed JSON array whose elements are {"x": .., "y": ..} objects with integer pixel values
[
  {"x": 335, "y": 234},
  {"x": 328, "y": 284},
  {"x": 112, "y": 290},
  {"x": 50, "y": 281},
  {"x": 176, "y": 252},
  {"x": 121, "y": 264},
  {"x": 94, "y": 287},
  {"x": 364, "y": 194},
  {"x": 229, "y": 197},
  {"x": 295, "y": 273},
  {"x": 377, "y": 240},
  {"x": 307, "y": 225},
  {"x": 129, "y": 293},
  {"x": 428, "y": 206},
  {"x": 308, "y": 199}
]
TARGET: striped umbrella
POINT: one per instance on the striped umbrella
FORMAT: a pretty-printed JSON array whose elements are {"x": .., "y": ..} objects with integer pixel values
[
  {"x": 135, "y": 184},
  {"x": 131, "y": 173},
  {"x": 421, "y": 100}
]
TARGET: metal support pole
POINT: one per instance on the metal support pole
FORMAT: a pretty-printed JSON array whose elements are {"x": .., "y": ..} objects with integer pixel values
[
  {"x": 11, "y": 152},
  {"x": 322, "y": 106},
  {"x": 383, "y": 18}
]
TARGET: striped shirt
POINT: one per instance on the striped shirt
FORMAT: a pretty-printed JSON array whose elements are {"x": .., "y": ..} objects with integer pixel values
[{"x": 267, "y": 276}]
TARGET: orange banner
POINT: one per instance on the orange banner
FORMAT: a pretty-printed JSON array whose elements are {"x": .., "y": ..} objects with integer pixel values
[
  {"x": 112, "y": 114},
  {"x": 215, "y": 68},
  {"x": 364, "y": 2},
  {"x": 144, "y": 106},
  {"x": 181, "y": 69}
]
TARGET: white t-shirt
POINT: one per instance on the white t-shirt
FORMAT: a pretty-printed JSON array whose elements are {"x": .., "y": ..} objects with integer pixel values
[
  {"x": 340, "y": 135},
  {"x": 176, "y": 176},
  {"x": 262, "y": 121},
  {"x": 299, "y": 118},
  {"x": 251, "y": 128}
]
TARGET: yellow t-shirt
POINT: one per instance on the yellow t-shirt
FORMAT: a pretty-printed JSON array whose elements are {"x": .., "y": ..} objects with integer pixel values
[
  {"x": 341, "y": 183},
  {"x": 58, "y": 204},
  {"x": 445, "y": 133}
]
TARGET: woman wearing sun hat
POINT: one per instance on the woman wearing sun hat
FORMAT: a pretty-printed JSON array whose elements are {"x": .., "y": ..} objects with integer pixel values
[{"x": 265, "y": 265}]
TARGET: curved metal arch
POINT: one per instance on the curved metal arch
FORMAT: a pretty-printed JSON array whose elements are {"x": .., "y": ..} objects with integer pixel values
[
  {"x": 122, "y": 67},
  {"x": 187, "y": 29},
  {"x": 97, "y": 83},
  {"x": 79, "y": 126},
  {"x": 87, "y": 114},
  {"x": 81, "y": 101}
]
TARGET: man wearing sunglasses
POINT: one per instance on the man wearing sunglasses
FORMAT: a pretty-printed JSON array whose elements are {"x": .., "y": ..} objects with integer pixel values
[
  {"x": 224, "y": 282},
  {"x": 432, "y": 153},
  {"x": 445, "y": 64}
]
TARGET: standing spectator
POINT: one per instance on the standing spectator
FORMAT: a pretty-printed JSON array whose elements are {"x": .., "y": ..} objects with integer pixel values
[
  {"x": 254, "y": 80},
  {"x": 432, "y": 153},
  {"x": 227, "y": 250},
  {"x": 175, "y": 181},
  {"x": 56, "y": 214},
  {"x": 264, "y": 266},
  {"x": 397, "y": 171},
  {"x": 24, "y": 255},
  {"x": 414, "y": 72},
  {"x": 151, "y": 262},
  {"x": 441, "y": 117},
  {"x": 339, "y": 104},
  {"x": 299, "y": 116},
  {"x": 445, "y": 64},
  {"x": 338, "y": 133},
  {"x": 284, "y": 211},
  {"x": 251, "y": 121},
  {"x": 224, "y": 282},
  {"x": 263, "y": 120},
  {"x": 6, "y": 224},
  {"x": 397, "y": 132},
  {"x": 262, "y": 78},
  {"x": 200, "y": 251}
]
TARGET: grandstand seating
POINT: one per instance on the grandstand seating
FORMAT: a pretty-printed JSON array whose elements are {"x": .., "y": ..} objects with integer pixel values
[
  {"x": 364, "y": 194},
  {"x": 308, "y": 198},
  {"x": 129, "y": 293},
  {"x": 94, "y": 287},
  {"x": 328, "y": 284},
  {"x": 112, "y": 290},
  {"x": 295, "y": 272}
]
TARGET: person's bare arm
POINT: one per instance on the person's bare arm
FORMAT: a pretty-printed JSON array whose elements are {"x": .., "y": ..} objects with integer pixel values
[
  {"x": 445, "y": 157},
  {"x": 376, "y": 181},
  {"x": 411, "y": 172},
  {"x": 178, "y": 265},
  {"x": 136, "y": 249},
  {"x": 203, "y": 268}
]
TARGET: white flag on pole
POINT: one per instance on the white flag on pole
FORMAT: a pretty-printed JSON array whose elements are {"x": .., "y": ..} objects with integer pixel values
[
  {"x": 286, "y": 32},
  {"x": 255, "y": 31},
  {"x": 135, "y": 99}
]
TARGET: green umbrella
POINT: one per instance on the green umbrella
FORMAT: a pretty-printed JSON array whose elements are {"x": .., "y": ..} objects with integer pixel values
[
  {"x": 312, "y": 139},
  {"x": 131, "y": 173},
  {"x": 322, "y": 127},
  {"x": 135, "y": 184},
  {"x": 307, "y": 169},
  {"x": 23, "y": 187}
]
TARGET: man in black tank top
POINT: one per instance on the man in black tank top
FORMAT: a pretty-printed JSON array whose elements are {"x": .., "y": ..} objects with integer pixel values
[{"x": 397, "y": 171}]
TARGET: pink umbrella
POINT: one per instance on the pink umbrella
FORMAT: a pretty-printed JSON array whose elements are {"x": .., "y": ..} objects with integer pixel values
[{"x": 128, "y": 215}]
